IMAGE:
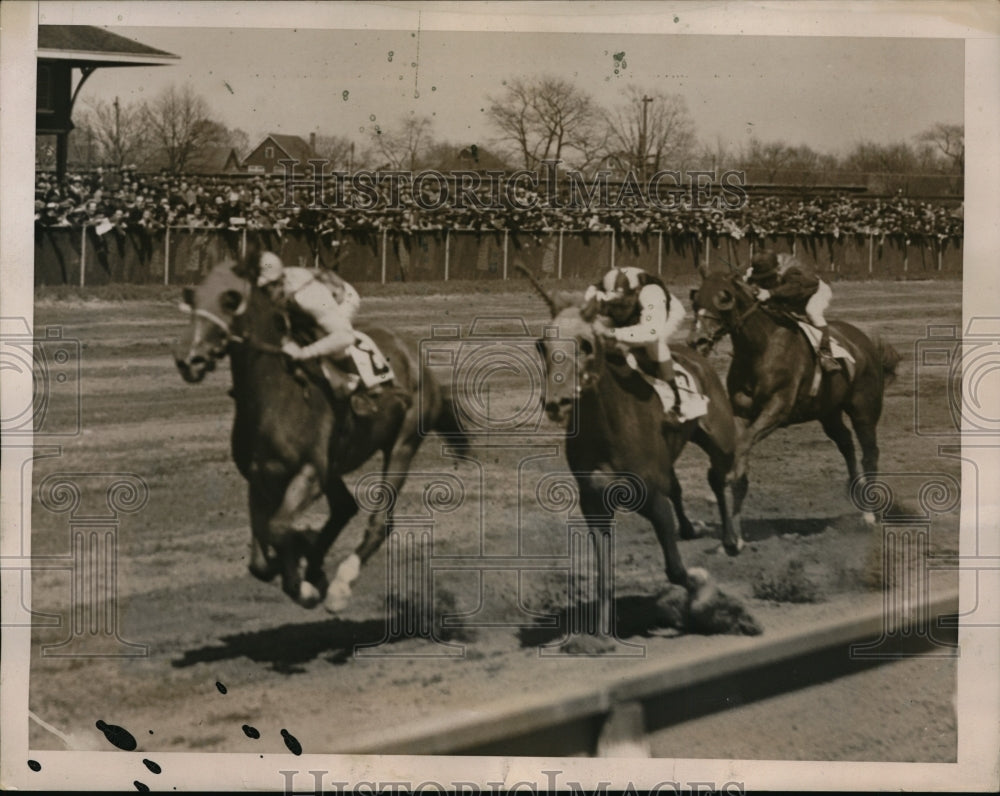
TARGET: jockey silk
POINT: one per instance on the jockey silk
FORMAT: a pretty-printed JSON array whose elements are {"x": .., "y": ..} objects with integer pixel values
[
  {"x": 313, "y": 299},
  {"x": 655, "y": 317}
]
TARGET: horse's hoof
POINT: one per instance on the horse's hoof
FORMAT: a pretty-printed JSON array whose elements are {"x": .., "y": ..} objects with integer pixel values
[
  {"x": 309, "y": 595},
  {"x": 338, "y": 595},
  {"x": 698, "y": 579},
  {"x": 734, "y": 549}
]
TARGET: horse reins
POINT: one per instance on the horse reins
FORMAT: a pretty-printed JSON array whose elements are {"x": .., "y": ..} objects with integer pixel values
[{"x": 723, "y": 328}]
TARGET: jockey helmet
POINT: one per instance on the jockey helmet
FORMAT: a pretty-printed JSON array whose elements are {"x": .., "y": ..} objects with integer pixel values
[
  {"x": 763, "y": 266},
  {"x": 621, "y": 288},
  {"x": 270, "y": 270},
  {"x": 620, "y": 282}
]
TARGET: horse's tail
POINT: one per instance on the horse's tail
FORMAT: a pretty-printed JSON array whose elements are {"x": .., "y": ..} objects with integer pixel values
[
  {"x": 889, "y": 358},
  {"x": 447, "y": 423}
]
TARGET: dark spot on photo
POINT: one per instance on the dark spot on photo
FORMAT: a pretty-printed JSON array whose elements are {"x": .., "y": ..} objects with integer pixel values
[
  {"x": 291, "y": 742},
  {"x": 118, "y": 736}
]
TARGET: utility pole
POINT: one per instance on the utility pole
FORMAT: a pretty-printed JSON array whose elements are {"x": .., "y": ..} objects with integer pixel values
[
  {"x": 118, "y": 131},
  {"x": 642, "y": 140}
]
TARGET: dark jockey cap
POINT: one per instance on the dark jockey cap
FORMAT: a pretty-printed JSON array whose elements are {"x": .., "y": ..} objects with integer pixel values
[{"x": 764, "y": 265}]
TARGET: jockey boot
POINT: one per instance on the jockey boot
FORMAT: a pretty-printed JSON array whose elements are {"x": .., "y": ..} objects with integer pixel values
[
  {"x": 826, "y": 358},
  {"x": 666, "y": 373},
  {"x": 342, "y": 384}
]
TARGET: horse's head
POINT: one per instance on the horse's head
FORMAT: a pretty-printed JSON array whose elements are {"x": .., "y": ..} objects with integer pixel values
[
  {"x": 572, "y": 353},
  {"x": 719, "y": 305},
  {"x": 213, "y": 306}
]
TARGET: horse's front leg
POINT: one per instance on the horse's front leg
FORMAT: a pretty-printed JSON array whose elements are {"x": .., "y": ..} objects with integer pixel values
[
  {"x": 264, "y": 564},
  {"x": 771, "y": 417},
  {"x": 292, "y": 544}
]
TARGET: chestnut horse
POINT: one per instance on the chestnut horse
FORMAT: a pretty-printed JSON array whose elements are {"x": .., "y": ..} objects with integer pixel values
[
  {"x": 293, "y": 442},
  {"x": 771, "y": 377}
]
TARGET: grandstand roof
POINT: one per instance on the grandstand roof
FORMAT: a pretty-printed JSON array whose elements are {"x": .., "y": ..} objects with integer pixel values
[{"x": 90, "y": 45}]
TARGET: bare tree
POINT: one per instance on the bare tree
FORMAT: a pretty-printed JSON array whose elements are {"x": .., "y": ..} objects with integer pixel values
[
  {"x": 949, "y": 140},
  {"x": 547, "y": 119},
  {"x": 238, "y": 139},
  {"x": 179, "y": 124},
  {"x": 117, "y": 131},
  {"x": 337, "y": 149},
  {"x": 404, "y": 148},
  {"x": 867, "y": 156},
  {"x": 650, "y": 132},
  {"x": 770, "y": 161}
]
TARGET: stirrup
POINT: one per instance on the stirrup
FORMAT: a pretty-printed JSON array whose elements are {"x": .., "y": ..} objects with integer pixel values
[{"x": 672, "y": 418}]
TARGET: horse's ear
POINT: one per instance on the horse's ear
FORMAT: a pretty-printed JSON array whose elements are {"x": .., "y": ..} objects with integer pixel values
[
  {"x": 230, "y": 300},
  {"x": 187, "y": 295},
  {"x": 249, "y": 267}
]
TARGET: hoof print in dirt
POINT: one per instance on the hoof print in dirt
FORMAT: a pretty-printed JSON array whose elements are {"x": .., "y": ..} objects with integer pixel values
[
  {"x": 713, "y": 611},
  {"x": 670, "y": 609}
]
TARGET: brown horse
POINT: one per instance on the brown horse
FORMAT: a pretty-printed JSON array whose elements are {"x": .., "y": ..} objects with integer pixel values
[
  {"x": 771, "y": 376},
  {"x": 617, "y": 424},
  {"x": 292, "y": 442}
]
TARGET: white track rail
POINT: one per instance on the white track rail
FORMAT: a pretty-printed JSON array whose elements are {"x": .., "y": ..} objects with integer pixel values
[{"x": 571, "y": 721}]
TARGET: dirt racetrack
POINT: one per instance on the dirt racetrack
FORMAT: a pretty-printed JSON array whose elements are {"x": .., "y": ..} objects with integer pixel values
[{"x": 184, "y": 591}]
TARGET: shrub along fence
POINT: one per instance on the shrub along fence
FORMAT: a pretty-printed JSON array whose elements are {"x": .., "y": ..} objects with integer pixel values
[{"x": 79, "y": 256}]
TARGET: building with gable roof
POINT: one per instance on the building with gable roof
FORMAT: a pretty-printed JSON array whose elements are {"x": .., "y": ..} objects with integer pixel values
[
  {"x": 266, "y": 156},
  {"x": 84, "y": 48}
]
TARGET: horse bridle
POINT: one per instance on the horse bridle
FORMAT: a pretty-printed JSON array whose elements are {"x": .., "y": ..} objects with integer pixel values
[{"x": 722, "y": 327}]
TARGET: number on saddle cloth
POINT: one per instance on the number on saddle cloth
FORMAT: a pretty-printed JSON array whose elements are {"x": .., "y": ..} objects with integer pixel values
[{"x": 372, "y": 366}]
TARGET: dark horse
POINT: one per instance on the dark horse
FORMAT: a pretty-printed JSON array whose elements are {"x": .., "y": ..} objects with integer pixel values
[
  {"x": 772, "y": 373},
  {"x": 293, "y": 443},
  {"x": 617, "y": 418}
]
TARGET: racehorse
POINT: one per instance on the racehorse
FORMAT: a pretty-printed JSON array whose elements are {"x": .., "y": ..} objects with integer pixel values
[
  {"x": 617, "y": 421},
  {"x": 771, "y": 377},
  {"x": 291, "y": 442}
]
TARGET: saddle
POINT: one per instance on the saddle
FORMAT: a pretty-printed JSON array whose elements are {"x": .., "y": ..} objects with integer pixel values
[
  {"x": 839, "y": 351},
  {"x": 693, "y": 403}
]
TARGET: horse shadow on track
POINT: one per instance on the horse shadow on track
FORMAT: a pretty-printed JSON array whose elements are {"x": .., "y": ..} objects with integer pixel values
[
  {"x": 636, "y": 615},
  {"x": 287, "y": 647}
]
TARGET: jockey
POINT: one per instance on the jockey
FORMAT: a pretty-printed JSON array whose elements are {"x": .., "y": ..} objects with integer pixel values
[
  {"x": 794, "y": 287},
  {"x": 644, "y": 314},
  {"x": 326, "y": 310}
]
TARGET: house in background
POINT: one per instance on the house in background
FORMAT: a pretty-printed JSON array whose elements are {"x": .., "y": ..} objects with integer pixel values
[
  {"x": 264, "y": 158},
  {"x": 216, "y": 160}
]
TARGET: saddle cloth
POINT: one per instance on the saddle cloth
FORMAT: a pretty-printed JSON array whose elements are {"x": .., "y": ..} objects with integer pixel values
[
  {"x": 814, "y": 335},
  {"x": 693, "y": 403},
  {"x": 373, "y": 367}
]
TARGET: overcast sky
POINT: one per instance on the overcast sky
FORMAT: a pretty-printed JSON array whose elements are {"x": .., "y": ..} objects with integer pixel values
[{"x": 827, "y": 92}]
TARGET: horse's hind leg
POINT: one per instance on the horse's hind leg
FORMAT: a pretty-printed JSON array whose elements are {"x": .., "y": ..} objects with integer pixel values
[
  {"x": 342, "y": 507},
  {"x": 727, "y": 495},
  {"x": 657, "y": 511},
  {"x": 836, "y": 430},
  {"x": 395, "y": 465},
  {"x": 687, "y": 530},
  {"x": 868, "y": 440}
]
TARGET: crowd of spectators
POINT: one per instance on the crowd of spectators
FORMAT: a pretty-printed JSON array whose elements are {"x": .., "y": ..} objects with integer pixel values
[{"x": 126, "y": 202}]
